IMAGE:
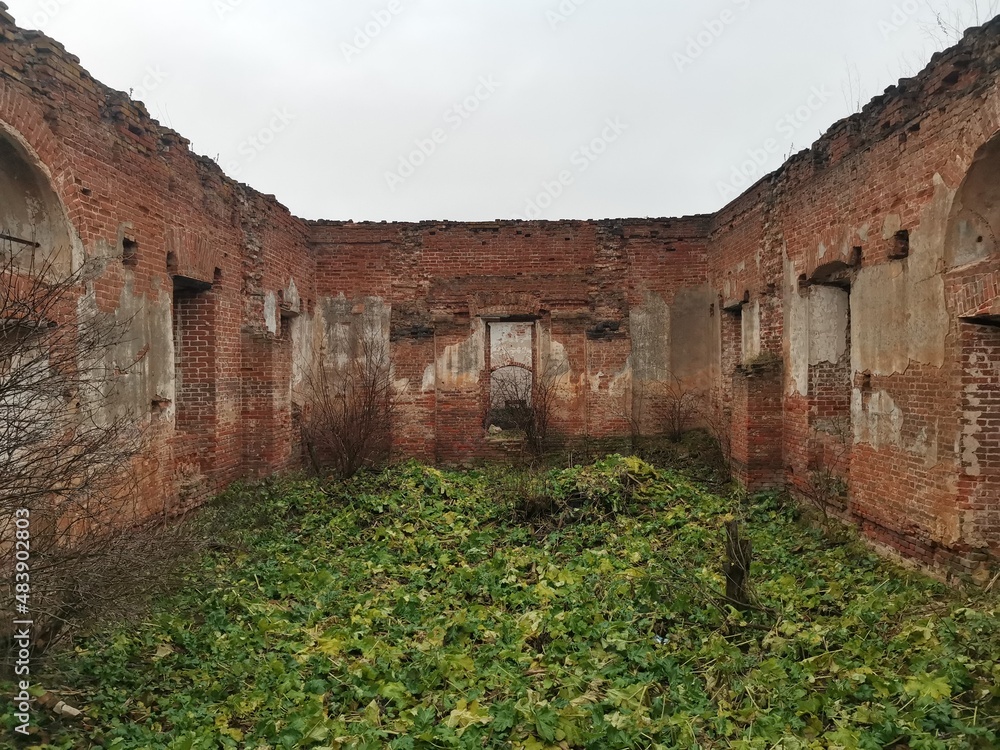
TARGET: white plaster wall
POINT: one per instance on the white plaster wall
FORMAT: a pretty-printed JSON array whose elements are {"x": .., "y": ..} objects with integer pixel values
[
  {"x": 817, "y": 321},
  {"x": 899, "y": 307},
  {"x": 751, "y": 331}
]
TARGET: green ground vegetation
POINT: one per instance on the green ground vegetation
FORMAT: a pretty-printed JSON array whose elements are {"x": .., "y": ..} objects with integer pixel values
[{"x": 574, "y": 608}]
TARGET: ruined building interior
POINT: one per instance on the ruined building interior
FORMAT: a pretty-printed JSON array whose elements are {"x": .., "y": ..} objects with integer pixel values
[{"x": 841, "y": 318}]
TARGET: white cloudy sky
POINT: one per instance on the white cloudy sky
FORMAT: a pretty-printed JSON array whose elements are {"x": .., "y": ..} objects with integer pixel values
[{"x": 326, "y": 103}]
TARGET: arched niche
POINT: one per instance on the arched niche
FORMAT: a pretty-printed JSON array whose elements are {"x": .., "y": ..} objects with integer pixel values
[
  {"x": 975, "y": 218},
  {"x": 33, "y": 222}
]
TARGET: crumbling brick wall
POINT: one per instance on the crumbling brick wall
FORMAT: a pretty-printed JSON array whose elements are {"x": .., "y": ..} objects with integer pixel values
[
  {"x": 583, "y": 284},
  {"x": 870, "y": 208},
  {"x": 157, "y": 217},
  {"x": 840, "y": 316}
]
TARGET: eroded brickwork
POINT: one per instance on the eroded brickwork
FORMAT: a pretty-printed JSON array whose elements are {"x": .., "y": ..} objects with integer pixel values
[
  {"x": 585, "y": 285},
  {"x": 839, "y": 320},
  {"x": 893, "y": 207}
]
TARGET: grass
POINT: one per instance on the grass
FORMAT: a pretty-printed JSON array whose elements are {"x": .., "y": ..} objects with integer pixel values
[{"x": 419, "y": 609}]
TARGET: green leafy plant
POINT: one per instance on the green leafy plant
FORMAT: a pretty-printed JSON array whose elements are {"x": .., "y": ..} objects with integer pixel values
[{"x": 405, "y": 610}]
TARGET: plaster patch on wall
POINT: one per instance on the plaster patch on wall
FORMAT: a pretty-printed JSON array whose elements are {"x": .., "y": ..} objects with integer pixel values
[
  {"x": 512, "y": 344},
  {"x": 304, "y": 332},
  {"x": 346, "y": 322},
  {"x": 694, "y": 355},
  {"x": 271, "y": 312},
  {"x": 751, "y": 331},
  {"x": 650, "y": 326},
  {"x": 978, "y": 411},
  {"x": 899, "y": 308},
  {"x": 796, "y": 311},
  {"x": 829, "y": 318},
  {"x": 878, "y": 421},
  {"x": 619, "y": 383},
  {"x": 142, "y": 357},
  {"x": 556, "y": 363},
  {"x": 970, "y": 445},
  {"x": 292, "y": 300},
  {"x": 926, "y": 445},
  {"x": 891, "y": 225},
  {"x": 460, "y": 365},
  {"x": 429, "y": 383}
]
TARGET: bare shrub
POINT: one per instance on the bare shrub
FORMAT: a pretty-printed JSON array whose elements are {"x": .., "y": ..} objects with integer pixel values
[
  {"x": 347, "y": 425},
  {"x": 827, "y": 489},
  {"x": 524, "y": 402},
  {"x": 680, "y": 427},
  {"x": 68, "y": 476},
  {"x": 950, "y": 25},
  {"x": 718, "y": 424},
  {"x": 663, "y": 408}
]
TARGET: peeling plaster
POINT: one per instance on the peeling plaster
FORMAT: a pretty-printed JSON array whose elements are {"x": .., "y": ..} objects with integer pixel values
[
  {"x": 292, "y": 301},
  {"x": 557, "y": 364},
  {"x": 817, "y": 320},
  {"x": 304, "y": 345},
  {"x": 829, "y": 318},
  {"x": 900, "y": 306},
  {"x": 271, "y": 312},
  {"x": 751, "y": 331},
  {"x": 143, "y": 358},
  {"x": 879, "y": 423},
  {"x": 429, "y": 383},
  {"x": 695, "y": 333},
  {"x": 460, "y": 365},
  {"x": 650, "y": 326},
  {"x": 344, "y": 323}
]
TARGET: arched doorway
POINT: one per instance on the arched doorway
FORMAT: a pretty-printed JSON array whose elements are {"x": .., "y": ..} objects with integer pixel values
[
  {"x": 973, "y": 259},
  {"x": 33, "y": 224}
]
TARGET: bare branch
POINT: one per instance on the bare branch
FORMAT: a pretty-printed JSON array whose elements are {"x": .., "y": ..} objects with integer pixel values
[
  {"x": 347, "y": 425},
  {"x": 66, "y": 457}
]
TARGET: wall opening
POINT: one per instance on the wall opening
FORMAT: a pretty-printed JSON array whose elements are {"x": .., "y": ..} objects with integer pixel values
[
  {"x": 732, "y": 352},
  {"x": 31, "y": 215},
  {"x": 975, "y": 219},
  {"x": 195, "y": 374},
  {"x": 511, "y": 364},
  {"x": 130, "y": 253},
  {"x": 830, "y": 392}
]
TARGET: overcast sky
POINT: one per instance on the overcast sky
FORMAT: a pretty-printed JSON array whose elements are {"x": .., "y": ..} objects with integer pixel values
[{"x": 485, "y": 109}]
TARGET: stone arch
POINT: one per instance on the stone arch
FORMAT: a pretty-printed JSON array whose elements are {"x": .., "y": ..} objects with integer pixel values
[
  {"x": 974, "y": 225},
  {"x": 33, "y": 219}
]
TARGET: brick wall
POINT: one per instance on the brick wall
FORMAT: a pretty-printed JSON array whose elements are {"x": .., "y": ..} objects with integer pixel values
[
  {"x": 235, "y": 302},
  {"x": 579, "y": 282},
  {"x": 757, "y": 427},
  {"x": 146, "y": 210},
  {"x": 877, "y": 200}
]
